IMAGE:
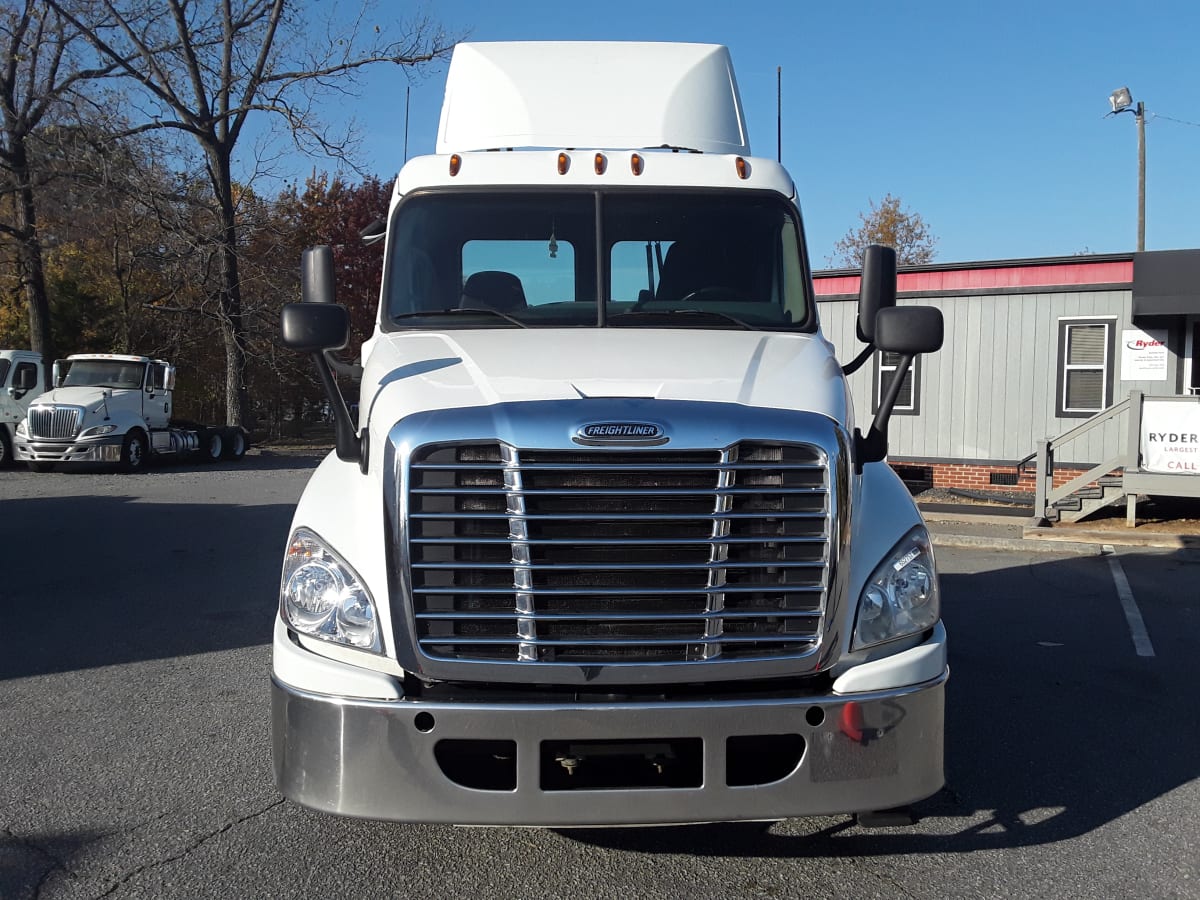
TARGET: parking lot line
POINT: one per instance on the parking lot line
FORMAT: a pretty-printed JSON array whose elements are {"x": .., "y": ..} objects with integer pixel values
[{"x": 1133, "y": 615}]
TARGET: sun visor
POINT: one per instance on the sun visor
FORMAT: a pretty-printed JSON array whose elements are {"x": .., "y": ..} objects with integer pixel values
[{"x": 592, "y": 94}]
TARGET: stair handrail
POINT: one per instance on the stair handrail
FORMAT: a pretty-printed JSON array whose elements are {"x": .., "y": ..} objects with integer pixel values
[{"x": 1046, "y": 495}]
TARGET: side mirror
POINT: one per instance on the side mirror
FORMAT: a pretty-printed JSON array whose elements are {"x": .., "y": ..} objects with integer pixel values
[
  {"x": 909, "y": 330},
  {"x": 24, "y": 379},
  {"x": 906, "y": 331},
  {"x": 58, "y": 372},
  {"x": 318, "y": 324},
  {"x": 313, "y": 327},
  {"x": 877, "y": 289}
]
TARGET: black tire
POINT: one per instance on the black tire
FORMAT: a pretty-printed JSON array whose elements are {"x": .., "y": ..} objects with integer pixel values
[
  {"x": 212, "y": 444},
  {"x": 236, "y": 443},
  {"x": 135, "y": 452},
  {"x": 40, "y": 467},
  {"x": 5, "y": 448}
]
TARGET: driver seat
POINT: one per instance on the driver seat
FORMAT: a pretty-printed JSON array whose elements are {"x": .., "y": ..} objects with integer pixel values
[{"x": 692, "y": 266}]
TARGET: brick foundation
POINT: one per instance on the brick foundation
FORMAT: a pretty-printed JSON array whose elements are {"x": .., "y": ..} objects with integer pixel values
[{"x": 967, "y": 476}]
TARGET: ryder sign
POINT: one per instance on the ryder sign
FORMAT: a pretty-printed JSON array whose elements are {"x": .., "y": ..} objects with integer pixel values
[{"x": 1171, "y": 436}]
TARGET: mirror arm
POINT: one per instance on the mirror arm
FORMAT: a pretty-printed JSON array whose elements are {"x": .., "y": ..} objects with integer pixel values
[
  {"x": 352, "y": 371},
  {"x": 872, "y": 446},
  {"x": 346, "y": 442},
  {"x": 855, "y": 364}
]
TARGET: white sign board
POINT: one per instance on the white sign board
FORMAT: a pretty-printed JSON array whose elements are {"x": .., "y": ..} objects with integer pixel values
[
  {"x": 1144, "y": 355},
  {"x": 1170, "y": 437}
]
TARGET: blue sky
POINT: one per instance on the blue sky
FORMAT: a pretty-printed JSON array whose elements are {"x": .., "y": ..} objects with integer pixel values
[{"x": 988, "y": 119}]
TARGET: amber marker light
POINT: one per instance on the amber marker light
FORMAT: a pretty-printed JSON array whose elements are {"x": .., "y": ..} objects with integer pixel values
[
  {"x": 455, "y": 164},
  {"x": 564, "y": 163},
  {"x": 601, "y": 163},
  {"x": 636, "y": 163},
  {"x": 743, "y": 168}
]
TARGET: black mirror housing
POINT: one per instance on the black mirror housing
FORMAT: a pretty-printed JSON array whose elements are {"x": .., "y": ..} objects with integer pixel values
[
  {"x": 909, "y": 330},
  {"x": 316, "y": 275},
  {"x": 25, "y": 379},
  {"x": 877, "y": 288},
  {"x": 314, "y": 327}
]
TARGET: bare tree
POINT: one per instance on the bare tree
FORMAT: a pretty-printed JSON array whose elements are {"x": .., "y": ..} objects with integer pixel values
[
  {"x": 42, "y": 73},
  {"x": 892, "y": 226},
  {"x": 205, "y": 66}
]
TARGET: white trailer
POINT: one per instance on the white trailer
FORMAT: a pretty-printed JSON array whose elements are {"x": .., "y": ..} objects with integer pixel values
[
  {"x": 116, "y": 408},
  {"x": 604, "y": 545}
]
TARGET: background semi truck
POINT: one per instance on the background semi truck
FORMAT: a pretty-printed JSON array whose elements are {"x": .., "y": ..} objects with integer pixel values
[
  {"x": 22, "y": 376},
  {"x": 604, "y": 545},
  {"x": 116, "y": 408}
]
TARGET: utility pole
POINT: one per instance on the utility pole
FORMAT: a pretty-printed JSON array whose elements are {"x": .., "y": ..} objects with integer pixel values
[
  {"x": 1140, "y": 115},
  {"x": 1122, "y": 101}
]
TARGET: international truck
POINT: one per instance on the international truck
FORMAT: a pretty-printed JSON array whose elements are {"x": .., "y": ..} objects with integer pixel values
[
  {"x": 22, "y": 376},
  {"x": 604, "y": 544},
  {"x": 119, "y": 409}
]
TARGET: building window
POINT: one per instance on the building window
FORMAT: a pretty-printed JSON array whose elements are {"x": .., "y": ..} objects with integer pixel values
[
  {"x": 1085, "y": 367},
  {"x": 907, "y": 401}
]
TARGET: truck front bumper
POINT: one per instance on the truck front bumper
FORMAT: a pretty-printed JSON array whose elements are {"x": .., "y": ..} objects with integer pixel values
[
  {"x": 91, "y": 450},
  {"x": 511, "y": 763}
]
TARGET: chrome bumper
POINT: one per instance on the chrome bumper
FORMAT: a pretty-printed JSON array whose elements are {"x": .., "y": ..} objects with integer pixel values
[
  {"x": 379, "y": 759},
  {"x": 101, "y": 449}
]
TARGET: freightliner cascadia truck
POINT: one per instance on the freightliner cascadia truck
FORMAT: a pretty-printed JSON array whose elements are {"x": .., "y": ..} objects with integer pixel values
[{"x": 604, "y": 544}]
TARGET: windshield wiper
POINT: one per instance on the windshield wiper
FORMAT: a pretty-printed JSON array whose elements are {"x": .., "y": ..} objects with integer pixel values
[
  {"x": 670, "y": 314},
  {"x": 459, "y": 310}
]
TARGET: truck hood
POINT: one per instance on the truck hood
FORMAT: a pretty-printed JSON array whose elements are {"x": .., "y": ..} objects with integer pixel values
[
  {"x": 87, "y": 397},
  {"x": 412, "y": 372}
]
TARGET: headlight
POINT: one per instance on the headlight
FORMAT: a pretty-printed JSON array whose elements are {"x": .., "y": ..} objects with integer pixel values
[
  {"x": 902, "y": 596},
  {"x": 320, "y": 595},
  {"x": 21, "y": 428},
  {"x": 97, "y": 430}
]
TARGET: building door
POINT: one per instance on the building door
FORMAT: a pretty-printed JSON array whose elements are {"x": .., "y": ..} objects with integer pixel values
[{"x": 1191, "y": 356}]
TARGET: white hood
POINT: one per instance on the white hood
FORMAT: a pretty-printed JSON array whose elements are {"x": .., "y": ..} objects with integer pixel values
[{"x": 414, "y": 371}]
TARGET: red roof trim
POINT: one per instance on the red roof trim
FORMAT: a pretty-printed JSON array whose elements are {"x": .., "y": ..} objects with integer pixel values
[{"x": 998, "y": 277}]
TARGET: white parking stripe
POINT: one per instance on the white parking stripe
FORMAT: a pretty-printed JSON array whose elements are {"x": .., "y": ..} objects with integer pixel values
[{"x": 1133, "y": 615}]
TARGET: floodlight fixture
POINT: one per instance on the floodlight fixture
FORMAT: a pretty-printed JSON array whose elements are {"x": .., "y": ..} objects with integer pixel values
[{"x": 1120, "y": 99}]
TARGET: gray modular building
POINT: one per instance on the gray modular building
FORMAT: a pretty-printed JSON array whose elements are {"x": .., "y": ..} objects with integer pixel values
[{"x": 1034, "y": 348}]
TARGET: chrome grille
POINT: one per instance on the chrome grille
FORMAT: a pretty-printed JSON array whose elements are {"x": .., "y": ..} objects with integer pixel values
[
  {"x": 618, "y": 556},
  {"x": 54, "y": 422}
]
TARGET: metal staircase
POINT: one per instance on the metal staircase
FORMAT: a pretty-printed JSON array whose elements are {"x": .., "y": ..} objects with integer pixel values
[
  {"x": 1099, "y": 486},
  {"x": 1087, "y": 500},
  {"x": 1111, "y": 480}
]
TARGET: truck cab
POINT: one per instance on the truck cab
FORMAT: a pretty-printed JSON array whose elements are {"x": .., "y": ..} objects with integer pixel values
[
  {"x": 115, "y": 408},
  {"x": 22, "y": 376},
  {"x": 604, "y": 545}
]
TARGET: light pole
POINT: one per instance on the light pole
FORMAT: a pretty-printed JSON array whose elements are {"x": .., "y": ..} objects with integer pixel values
[{"x": 1122, "y": 101}]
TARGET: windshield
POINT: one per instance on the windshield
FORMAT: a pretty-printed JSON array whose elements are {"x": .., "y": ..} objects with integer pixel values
[
  {"x": 687, "y": 259},
  {"x": 110, "y": 373}
]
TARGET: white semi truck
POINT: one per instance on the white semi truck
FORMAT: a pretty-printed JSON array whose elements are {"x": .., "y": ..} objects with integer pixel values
[
  {"x": 116, "y": 408},
  {"x": 605, "y": 545},
  {"x": 22, "y": 377}
]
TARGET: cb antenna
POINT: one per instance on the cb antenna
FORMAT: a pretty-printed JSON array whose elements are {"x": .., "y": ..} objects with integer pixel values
[{"x": 779, "y": 114}]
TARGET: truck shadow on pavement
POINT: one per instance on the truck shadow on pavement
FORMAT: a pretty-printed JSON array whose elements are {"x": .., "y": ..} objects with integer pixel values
[
  {"x": 104, "y": 580},
  {"x": 1054, "y": 726}
]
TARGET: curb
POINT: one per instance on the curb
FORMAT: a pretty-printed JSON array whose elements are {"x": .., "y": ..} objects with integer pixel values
[
  {"x": 1020, "y": 545},
  {"x": 1115, "y": 538}
]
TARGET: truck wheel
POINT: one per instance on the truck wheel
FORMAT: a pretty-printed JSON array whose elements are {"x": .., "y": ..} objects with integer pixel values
[
  {"x": 40, "y": 467},
  {"x": 235, "y": 443},
  {"x": 5, "y": 448},
  {"x": 212, "y": 444},
  {"x": 134, "y": 455}
]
